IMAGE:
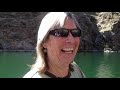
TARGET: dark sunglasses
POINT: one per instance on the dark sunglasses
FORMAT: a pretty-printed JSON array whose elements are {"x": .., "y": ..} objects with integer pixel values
[{"x": 63, "y": 32}]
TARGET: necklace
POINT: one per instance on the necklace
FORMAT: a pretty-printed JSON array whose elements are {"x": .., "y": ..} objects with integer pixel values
[{"x": 53, "y": 76}]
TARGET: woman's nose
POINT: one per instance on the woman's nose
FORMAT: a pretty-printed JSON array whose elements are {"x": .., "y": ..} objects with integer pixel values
[{"x": 70, "y": 38}]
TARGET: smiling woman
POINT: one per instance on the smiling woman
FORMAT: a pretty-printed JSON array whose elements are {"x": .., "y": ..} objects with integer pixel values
[{"x": 57, "y": 44}]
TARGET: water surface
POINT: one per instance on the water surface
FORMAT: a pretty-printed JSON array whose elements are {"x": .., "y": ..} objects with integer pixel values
[
  {"x": 94, "y": 65},
  {"x": 99, "y": 65},
  {"x": 15, "y": 64}
]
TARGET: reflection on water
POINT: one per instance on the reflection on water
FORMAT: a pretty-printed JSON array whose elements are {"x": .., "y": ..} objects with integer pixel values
[
  {"x": 99, "y": 65},
  {"x": 94, "y": 65},
  {"x": 104, "y": 69}
]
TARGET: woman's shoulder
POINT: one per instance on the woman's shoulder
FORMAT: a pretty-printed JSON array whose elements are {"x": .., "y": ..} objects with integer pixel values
[
  {"x": 34, "y": 73},
  {"x": 77, "y": 71},
  {"x": 74, "y": 65}
]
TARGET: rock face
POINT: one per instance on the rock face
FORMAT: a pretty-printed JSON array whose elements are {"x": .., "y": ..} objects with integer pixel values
[
  {"x": 91, "y": 39},
  {"x": 100, "y": 30},
  {"x": 18, "y": 30},
  {"x": 108, "y": 23}
]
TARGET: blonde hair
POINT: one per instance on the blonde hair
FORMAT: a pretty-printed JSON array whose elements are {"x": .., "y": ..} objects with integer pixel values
[{"x": 53, "y": 20}]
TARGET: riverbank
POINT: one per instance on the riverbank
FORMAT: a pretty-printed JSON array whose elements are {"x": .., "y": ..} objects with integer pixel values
[
  {"x": 92, "y": 51},
  {"x": 35, "y": 50},
  {"x": 17, "y": 50}
]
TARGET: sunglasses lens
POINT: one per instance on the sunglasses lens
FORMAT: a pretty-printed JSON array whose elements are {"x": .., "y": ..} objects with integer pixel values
[
  {"x": 76, "y": 33},
  {"x": 60, "y": 32},
  {"x": 64, "y": 33},
  {"x": 55, "y": 32}
]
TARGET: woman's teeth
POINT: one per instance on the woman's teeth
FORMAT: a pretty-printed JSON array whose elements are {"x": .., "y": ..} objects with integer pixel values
[{"x": 67, "y": 50}]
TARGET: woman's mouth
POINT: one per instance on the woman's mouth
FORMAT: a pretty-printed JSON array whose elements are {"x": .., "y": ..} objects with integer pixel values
[{"x": 67, "y": 50}]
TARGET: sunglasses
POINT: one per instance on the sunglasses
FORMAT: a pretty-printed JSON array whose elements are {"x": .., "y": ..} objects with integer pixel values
[{"x": 63, "y": 32}]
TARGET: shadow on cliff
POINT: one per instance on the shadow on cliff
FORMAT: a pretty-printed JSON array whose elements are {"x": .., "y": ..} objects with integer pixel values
[
  {"x": 116, "y": 37},
  {"x": 91, "y": 38}
]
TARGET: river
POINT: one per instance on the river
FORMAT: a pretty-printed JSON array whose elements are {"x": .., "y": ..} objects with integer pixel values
[{"x": 94, "y": 65}]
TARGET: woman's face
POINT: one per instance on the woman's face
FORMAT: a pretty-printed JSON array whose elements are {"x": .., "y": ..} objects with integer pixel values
[{"x": 62, "y": 50}]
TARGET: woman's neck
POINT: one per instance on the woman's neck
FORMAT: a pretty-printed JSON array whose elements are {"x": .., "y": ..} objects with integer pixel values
[{"x": 58, "y": 71}]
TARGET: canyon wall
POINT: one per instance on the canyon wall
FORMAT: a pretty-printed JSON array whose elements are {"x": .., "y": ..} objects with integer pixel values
[{"x": 100, "y": 30}]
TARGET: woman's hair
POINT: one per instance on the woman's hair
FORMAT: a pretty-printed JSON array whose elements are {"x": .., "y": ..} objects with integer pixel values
[{"x": 53, "y": 20}]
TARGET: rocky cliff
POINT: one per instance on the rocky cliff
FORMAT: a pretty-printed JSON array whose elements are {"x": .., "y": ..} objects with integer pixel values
[
  {"x": 18, "y": 30},
  {"x": 100, "y": 31}
]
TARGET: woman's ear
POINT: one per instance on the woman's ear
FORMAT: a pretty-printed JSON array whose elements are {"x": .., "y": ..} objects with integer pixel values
[{"x": 44, "y": 44}]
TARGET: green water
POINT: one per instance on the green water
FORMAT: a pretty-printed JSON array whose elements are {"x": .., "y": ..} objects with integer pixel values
[
  {"x": 94, "y": 65},
  {"x": 15, "y": 64},
  {"x": 99, "y": 65}
]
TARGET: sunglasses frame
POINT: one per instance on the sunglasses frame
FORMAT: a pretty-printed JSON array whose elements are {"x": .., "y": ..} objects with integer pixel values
[{"x": 63, "y": 32}]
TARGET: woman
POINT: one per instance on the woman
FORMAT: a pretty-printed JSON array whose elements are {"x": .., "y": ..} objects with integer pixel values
[{"x": 57, "y": 44}]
